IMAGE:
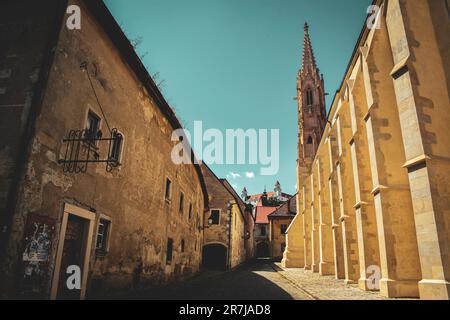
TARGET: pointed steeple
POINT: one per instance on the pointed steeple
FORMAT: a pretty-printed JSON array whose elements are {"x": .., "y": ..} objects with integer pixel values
[
  {"x": 309, "y": 65},
  {"x": 311, "y": 107}
]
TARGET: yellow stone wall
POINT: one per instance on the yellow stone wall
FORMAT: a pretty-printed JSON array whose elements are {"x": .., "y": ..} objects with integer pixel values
[
  {"x": 238, "y": 253},
  {"x": 276, "y": 238},
  {"x": 376, "y": 203}
]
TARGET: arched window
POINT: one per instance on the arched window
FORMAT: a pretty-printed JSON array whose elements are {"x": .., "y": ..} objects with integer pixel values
[
  {"x": 310, "y": 140},
  {"x": 309, "y": 98}
]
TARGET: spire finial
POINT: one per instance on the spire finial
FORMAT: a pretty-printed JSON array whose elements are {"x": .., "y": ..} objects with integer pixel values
[{"x": 308, "y": 59}]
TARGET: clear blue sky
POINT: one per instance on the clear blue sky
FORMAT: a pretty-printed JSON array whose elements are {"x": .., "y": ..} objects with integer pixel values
[{"x": 233, "y": 63}]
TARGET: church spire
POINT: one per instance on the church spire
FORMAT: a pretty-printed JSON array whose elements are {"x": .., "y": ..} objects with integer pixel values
[
  {"x": 309, "y": 66},
  {"x": 311, "y": 107}
]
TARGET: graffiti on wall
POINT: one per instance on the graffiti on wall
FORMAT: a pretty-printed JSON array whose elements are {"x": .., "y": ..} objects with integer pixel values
[{"x": 36, "y": 253}]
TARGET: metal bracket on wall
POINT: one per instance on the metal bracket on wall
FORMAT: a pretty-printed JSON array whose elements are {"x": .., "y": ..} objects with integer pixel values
[{"x": 83, "y": 147}]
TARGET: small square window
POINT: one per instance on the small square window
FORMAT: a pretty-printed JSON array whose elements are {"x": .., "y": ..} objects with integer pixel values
[
  {"x": 101, "y": 245},
  {"x": 283, "y": 228},
  {"x": 214, "y": 218},
  {"x": 263, "y": 231}
]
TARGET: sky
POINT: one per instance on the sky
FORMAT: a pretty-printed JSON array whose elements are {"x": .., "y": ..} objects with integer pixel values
[{"x": 232, "y": 64}]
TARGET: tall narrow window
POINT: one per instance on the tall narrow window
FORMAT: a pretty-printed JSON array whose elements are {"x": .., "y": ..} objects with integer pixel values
[
  {"x": 182, "y": 245},
  {"x": 92, "y": 126},
  {"x": 190, "y": 210},
  {"x": 181, "y": 207},
  {"x": 116, "y": 147},
  {"x": 309, "y": 98},
  {"x": 101, "y": 245},
  {"x": 310, "y": 140},
  {"x": 169, "y": 252},
  {"x": 168, "y": 192}
]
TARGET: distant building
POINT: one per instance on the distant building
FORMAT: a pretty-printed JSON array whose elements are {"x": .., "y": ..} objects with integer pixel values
[
  {"x": 265, "y": 204},
  {"x": 279, "y": 221},
  {"x": 229, "y": 225}
]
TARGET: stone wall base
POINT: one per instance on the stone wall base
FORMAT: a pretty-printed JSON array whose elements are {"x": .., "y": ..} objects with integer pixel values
[
  {"x": 367, "y": 285},
  {"x": 399, "y": 288},
  {"x": 326, "y": 269},
  {"x": 434, "y": 290}
]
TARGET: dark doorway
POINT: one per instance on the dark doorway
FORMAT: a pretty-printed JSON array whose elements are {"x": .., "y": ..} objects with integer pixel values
[
  {"x": 215, "y": 257},
  {"x": 72, "y": 255},
  {"x": 262, "y": 250}
]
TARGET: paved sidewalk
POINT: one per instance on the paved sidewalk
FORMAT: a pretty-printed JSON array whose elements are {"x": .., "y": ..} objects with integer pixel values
[{"x": 325, "y": 287}]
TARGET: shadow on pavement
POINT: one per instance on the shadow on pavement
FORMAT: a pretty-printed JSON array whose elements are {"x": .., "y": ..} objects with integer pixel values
[{"x": 248, "y": 282}]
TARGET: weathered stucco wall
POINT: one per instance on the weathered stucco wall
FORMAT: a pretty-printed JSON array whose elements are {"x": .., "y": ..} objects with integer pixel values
[
  {"x": 219, "y": 198},
  {"x": 232, "y": 227},
  {"x": 133, "y": 195},
  {"x": 31, "y": 26}
]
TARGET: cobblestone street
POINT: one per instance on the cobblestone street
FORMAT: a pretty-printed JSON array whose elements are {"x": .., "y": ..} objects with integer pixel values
[
  {"x": 325, "y": 287},
  {"x": 259, "y": 280}
]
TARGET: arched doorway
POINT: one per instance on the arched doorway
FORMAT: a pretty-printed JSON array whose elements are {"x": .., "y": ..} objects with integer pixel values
[
  {"x": 215, "y": 257},
  {"x": 262, "y": 250}
]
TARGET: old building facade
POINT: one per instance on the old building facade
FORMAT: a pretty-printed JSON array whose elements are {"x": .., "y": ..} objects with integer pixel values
[
  {"x": 228, "y": 230},
  {"x": 374, "y": 203},
  {"x": 133, "y": 220},
  {"x": 264, "y": 205},
  {"x": 279, "y": 221}
]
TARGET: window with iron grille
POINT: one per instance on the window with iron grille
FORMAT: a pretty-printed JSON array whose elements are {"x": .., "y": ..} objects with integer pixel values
[{"x": 116, "y": 147}]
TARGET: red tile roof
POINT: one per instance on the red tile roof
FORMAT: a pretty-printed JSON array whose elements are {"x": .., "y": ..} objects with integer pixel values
[{"x": 263, "y": 212}]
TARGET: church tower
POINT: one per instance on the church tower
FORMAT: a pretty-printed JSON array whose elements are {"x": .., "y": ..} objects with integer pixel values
[{"x": 312, "y": 113}]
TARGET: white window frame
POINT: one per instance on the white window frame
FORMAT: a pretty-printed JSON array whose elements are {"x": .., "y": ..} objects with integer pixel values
[{"x": 108, "y": 235}]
